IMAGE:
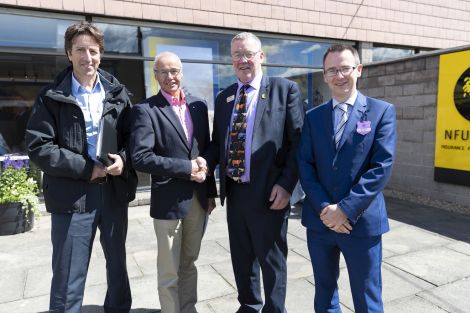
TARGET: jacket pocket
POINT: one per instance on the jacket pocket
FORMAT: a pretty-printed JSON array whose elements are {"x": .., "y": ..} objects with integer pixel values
[{"x": 64, "y": 195}]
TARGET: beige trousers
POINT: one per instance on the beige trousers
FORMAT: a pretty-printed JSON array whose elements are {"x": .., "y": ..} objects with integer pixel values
[{"x": 179, "y": 242}]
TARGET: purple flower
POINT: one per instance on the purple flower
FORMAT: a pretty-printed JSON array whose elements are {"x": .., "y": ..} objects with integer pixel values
[{"x": 16, "y": 164}]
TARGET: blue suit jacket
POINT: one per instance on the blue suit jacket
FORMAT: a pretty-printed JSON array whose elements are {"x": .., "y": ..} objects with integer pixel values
[{"x": 354, "y": 175}]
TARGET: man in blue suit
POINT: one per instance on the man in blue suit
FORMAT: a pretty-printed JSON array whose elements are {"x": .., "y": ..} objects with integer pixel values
[
  {"x": 345, "y": 160},
  {"x": 257, "y": 124}
]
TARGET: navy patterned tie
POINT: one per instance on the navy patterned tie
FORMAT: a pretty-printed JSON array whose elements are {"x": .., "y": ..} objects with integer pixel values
[{"x": 236, "y": 152}]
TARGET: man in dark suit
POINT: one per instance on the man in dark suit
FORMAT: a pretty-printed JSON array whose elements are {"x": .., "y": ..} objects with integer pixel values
[
  {"x": 345, "y": 160},
  {"x": 169, "y": 132},
  {"x": 257, "y": 125}
]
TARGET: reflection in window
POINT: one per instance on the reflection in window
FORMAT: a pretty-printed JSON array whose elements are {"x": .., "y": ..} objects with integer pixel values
[
  {"x": 21, "y": 79},
  {"x": 32, "y": 32},
  {"x": 294, "y": 52},
  {"x": 390, "y": 53},
  {"x": 120, "y": 38}
]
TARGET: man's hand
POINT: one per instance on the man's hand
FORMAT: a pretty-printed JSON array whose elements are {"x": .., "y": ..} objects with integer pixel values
[
  {"x": 98, "y": 171},
  {"x": 210, "y": 205},
  {"x": 334, "y": 218},
  {"x": 198, "y": 170},
  {"x": 117, "y": 167},
  {"x": 280, "y": 198}
]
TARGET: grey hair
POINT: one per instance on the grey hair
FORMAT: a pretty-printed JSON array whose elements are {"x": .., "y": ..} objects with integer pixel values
[
  {"x": 166, "y": 54},
  {"x": 247, "y": 36}
]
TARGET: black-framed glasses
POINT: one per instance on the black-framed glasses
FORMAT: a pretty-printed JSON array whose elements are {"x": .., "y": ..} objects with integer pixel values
[
  {"x": 249, "y": 55},
  {"x": 166, "y": 73},
  {"x": 344, "y": 70}
]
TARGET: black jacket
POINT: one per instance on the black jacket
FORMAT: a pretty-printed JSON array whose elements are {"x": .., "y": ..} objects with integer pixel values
[{"x": 56, "y": 141}]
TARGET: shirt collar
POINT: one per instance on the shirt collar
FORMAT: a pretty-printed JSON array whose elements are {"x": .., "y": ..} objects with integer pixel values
[
  {"x": 77, "y": 88},
  {"x": 173, "y": 100},
  {"x": 351, "y": 100},
  {"x": 254, "y": 83}
]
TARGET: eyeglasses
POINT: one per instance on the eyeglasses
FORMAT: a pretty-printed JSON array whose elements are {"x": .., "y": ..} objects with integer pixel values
[
  {"x": 166, "y": 73},
  {"x": 344, "y": 70},
  {"x": 249, "y": 55}
]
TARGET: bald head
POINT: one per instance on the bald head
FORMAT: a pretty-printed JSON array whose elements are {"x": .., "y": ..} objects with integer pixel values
[{"x": 168, "y": 72}]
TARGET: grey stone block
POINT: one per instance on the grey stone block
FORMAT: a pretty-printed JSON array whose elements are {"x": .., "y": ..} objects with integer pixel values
[
  {"x": 12, "y": 284},
  {"x": 376, "y": 70},
  {"x": 410, "y": 136},
  {"x": 412, "y": 304},
  {"x": 413, "y": 112},
  {"x": 452, "y": 297},
  {"x": 211, "y": 284},
  {"x": 408, "y": 239},
  {"x": 430, "y": 112},
  {"x": 377, "y": 92},
  {"x": 393, "y": 91},
  {"x": 430, "y": 87},
  {"x": 425, "y": 100},
  {"x": 415, "y": 64},
  {"x": 386, "y": 80},
  {"x": 438, "y": 266},
  {"x": 413, "y": 89},
  {"x": 404, "y": 101},
  {"x": 432, "y": 63},
  {"x": 395, "y": 67}
]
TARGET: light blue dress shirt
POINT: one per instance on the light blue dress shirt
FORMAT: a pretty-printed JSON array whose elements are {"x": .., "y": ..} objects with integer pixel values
[{"x": 91, "y": 103}]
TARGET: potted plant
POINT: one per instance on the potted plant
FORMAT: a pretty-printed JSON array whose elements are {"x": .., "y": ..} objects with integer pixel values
[{"x": 19, "y": 202}]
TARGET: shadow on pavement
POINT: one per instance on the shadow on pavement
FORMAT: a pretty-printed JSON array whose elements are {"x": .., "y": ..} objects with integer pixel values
[
  {"x": 449, "y": 224},
  {"x": 445, "y": 223},
  {"x": 99, "y": 309}
]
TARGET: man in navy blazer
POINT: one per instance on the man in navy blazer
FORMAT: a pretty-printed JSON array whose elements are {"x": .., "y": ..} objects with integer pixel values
[
  {"x": 169, "y": 132},
  {"x": 258, "y": 201},
  {"x": 345, "y": 160}
]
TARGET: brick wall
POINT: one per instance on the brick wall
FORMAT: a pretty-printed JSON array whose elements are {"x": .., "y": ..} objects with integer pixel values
[
  {"x": 411, "y": 84},
  {"x": 429, "y": 23}
]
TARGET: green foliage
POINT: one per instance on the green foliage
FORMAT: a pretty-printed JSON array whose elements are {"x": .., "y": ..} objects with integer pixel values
[{"x": 16, "y": 185}]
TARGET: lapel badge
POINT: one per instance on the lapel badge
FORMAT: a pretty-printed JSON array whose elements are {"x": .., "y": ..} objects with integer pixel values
[
  {"x": 231, "y": 98},
  {"x": 263, "y": 96}
]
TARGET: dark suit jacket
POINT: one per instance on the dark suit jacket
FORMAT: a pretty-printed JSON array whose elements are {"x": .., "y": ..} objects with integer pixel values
[
  {"x": 353, "y": 175},
  {"x": 159, "y": 147},
  {"x": 276, "y": 133}
]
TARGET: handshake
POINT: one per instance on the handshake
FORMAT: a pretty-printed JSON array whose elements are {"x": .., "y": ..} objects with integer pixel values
[{"x": 198, "y": 170}]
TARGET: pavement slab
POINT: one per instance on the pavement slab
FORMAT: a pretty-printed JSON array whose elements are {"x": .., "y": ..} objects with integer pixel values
[{"x": 426, "y": 258}]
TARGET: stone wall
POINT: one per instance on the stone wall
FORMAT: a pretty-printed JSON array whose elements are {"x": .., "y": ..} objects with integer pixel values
[{"x": 411, "y": 84}]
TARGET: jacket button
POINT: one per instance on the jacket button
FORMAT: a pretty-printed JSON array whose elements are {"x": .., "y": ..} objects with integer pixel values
[{"x": 335, "y": 168}]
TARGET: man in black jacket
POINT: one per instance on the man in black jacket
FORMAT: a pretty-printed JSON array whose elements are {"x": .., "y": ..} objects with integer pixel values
[{"x": 80, "y": 192}]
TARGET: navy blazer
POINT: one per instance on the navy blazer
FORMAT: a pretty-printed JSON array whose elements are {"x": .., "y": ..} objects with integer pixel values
[
  {"x": 276, "y": 133},
  {"x": 159, "y": 147},
  {"x": 354, "y": 175}
]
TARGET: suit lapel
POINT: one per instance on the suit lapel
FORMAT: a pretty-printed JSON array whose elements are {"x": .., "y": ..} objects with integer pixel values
[
  {"x": 357, "y": 112},
  {"x": 168, "y": 112},
  {"x": 228, "y": 104},
  {"x": 262, "y": 102},
  {"x": 193, "y": 111},
  {"x": 328, "y": 125}
]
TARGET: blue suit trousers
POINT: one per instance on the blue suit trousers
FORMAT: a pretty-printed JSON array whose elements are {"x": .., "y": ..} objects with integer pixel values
[{"x": 363, "y": 256}]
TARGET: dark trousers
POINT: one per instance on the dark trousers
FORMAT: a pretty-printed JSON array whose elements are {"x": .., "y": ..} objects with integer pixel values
[
  {"x": 258, "y": 240},
  {"x": 72, "y": 238},
  {"x": 363, "y": 256}
]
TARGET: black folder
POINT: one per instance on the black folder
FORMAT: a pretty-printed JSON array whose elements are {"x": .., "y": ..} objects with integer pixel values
[{"x": 106, "y": 143}]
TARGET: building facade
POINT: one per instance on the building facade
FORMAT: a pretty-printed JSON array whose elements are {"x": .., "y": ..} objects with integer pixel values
[{"x": 295, "y": 34}]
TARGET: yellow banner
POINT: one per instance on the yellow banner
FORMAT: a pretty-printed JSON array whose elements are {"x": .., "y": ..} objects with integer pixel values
[{"x": 453, "y": 113}]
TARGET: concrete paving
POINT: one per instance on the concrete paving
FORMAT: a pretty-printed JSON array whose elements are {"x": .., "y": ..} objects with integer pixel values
[{"x": 426, "y": 265}]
